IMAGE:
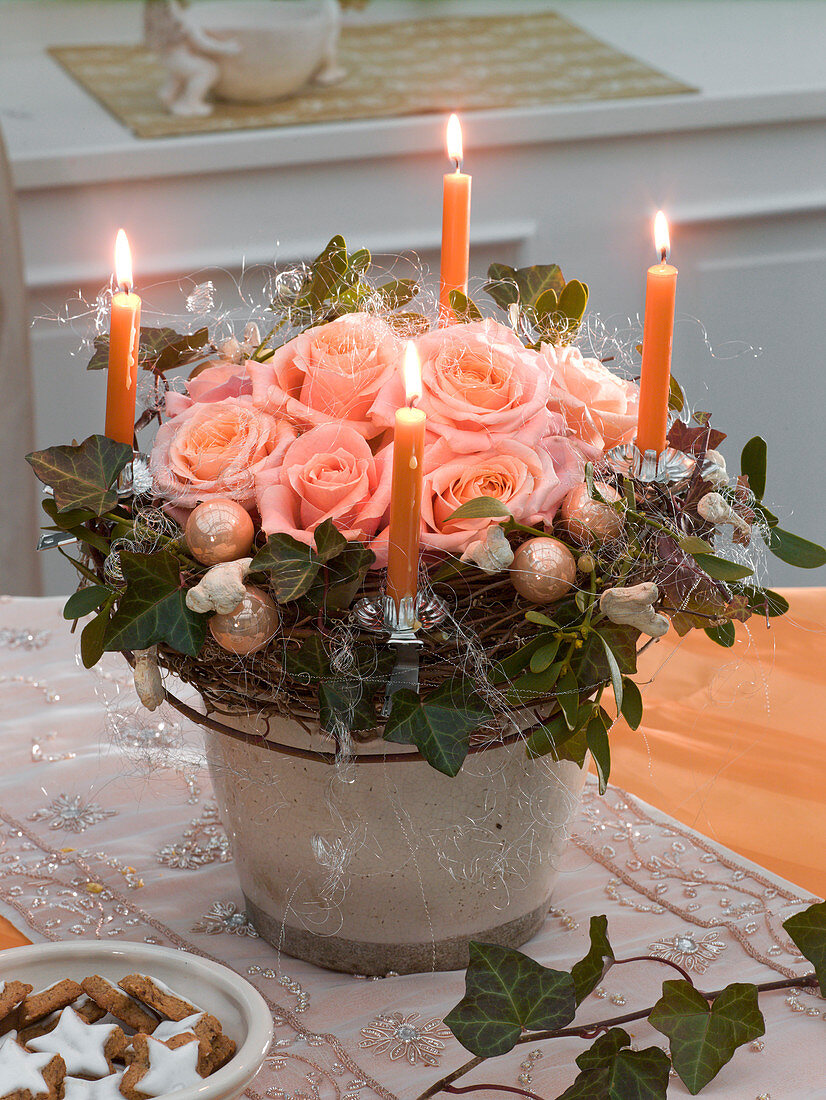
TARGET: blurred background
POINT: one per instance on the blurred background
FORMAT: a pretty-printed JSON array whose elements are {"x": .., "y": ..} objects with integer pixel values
[{"x": 581, "y": 118}]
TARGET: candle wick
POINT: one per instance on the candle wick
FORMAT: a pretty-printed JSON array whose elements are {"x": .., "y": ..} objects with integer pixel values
[
  {"x": 663, "y": 255},
  {"x": 458, "y": 163}
]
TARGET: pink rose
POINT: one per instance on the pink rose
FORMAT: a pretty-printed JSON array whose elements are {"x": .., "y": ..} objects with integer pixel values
[
  {"x": 330, "y": 374},
  {"x": 327, "y": 473},
  {"x": 598, "y": 406},
  {"x": 217, "y": 382},
  {"x": 215, "y": 449},
  {"x": 479, "y": 382},
  {"x": 529, "y": 481}
]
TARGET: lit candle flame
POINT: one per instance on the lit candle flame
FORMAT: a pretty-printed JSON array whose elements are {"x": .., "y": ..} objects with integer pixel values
[
  {"x": 454, "y": 141},
  {"x": 123, "y": 262},
  {"x": 662, "y": 238},
  {"x": 412, "y": 373}
]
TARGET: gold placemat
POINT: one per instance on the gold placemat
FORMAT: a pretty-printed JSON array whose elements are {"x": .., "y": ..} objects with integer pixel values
[{"x": 403, "y": 68}]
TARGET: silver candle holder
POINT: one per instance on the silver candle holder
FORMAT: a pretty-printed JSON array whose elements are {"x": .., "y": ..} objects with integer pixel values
[{"x": 400, "y": 622}]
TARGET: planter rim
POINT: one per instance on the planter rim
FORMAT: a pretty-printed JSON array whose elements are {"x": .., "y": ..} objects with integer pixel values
[{"x": 262, "y": 742}]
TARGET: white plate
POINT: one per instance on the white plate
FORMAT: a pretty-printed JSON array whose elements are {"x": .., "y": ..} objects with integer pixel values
[{"x": 241, "y": 1009}]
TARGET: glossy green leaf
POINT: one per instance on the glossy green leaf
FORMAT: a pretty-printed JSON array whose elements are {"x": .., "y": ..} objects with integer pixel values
[
  {"x": 511, "y": 666},
  {"x": 604, "y": 1050},
  {"x": 693, "y": 545},
  {"x": 550, "y": 737},
  {"x": 479, "y": 508},
  {"x": 795, "y": 550},
  {"x": 614, "y": 669},
  {"x": 153, "y": 607},
  {"x": 541, "y": 619},
  {"x": 507, "y": 993},
  {"x": 85, "y": 601},
  {"x": 544, "y": 656},
  {"x": 573, "y": 300},
  {"x": 439, "y": 724},
  {"x": 464, "y": 309},
  {"x": 610, "y": 1071},
  {"x": 345, "y": 705},
  {"x": 589, "y": 971},
  {"x": 546, "y": 306},
  {"x": 753, "y": 465},
  {"x": 567, "y": 694},
  {"x": 336, "y": 585},
  {"x": 721, "y": 569},
  {"x": 396, "y": 293},
  {"x": 631, "y": 703},
  {"x": 596, "y": 734},
  {"x": 676, "y": 397},
  {"x": 292, "y": 566},
  {"x": 808, "y": 931},
  {"x": 82, "y": 476},
  {"x": 723, "y": 635},
  {"x": 703, "y": 1037},
  {"x": 764, "y": 601}
]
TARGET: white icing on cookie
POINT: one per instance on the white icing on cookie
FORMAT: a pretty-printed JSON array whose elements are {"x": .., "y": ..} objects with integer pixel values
[
  {"x": 81, "y": 1044},
  {"x": 168, "y": 1029},
  {"x": 169, "y": 1069},
  {"x": 2, "y": 988},
  {"x": 22, "y": 1070},
  {"x": 170, "y": 992},
  {"x": 105, "y": 1088}
]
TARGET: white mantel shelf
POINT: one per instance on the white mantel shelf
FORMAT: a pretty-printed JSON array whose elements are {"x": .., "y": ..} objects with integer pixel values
[{"x": 756, "y": 62}]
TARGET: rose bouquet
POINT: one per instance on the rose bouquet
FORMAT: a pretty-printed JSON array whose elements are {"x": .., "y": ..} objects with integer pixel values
[{"x": 238, "y": 554}]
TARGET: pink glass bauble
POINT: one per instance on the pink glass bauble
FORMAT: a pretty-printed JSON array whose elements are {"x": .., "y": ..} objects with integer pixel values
[
  {"x": 219, "y": 530},
  {"x": 250, "y": 626},
  {"x": 543, "y": 570},
  {"x": 588, "y": 520}
]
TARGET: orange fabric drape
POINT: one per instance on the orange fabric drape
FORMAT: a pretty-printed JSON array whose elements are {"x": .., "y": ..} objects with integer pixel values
[
  {"x": 9, "y": 936},
  {"x": 733, "y": 741}
]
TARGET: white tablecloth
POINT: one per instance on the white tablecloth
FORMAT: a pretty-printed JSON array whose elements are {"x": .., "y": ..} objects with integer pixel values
[{"x": 118, "y": 837}]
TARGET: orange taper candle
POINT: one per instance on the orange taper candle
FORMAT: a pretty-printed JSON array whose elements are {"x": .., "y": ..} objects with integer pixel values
[
  {"x": 406, "y": 492},
  {"x": 124, "y": 335},
  {"x": 455, "y": 224},
  {"x": 657, "y": 338}
]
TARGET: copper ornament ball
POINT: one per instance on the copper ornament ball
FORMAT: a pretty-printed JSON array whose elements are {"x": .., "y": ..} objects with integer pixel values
[
  {"x": 219, "y": 530},
  {"x": 543, "y": 570},
  {"x": 250, "y": 626},
  {"x": 588, "y": 520}
]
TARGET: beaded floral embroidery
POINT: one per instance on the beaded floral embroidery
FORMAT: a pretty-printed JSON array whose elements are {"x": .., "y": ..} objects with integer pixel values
[
  {"x": 689, "y": 950},
  {"x": 403, "y": 1038},
  {"x": 224, "y": 916},
  {"x": 70, "y": 812}
]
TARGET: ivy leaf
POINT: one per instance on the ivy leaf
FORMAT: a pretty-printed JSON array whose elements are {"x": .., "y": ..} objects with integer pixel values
[
  {"x": 808, "y": 931},
  {"x": 703, "y": 1037},
  {"x": 309, "y": 662},
  {"x": 589, "y": 971},
  {"x": 602, "y": 1052},
  {"x": 292, "y": 566},
  {"x": 329, "y": 541},
  {"x": 794, "y": 550},
  {"x": 596, "y": 734},
  {"x": 85, "y": 600},
  {"x": 81, "y": 476},
  {"x": 464, "y": 309},
  {"x": 721, "y": 569},
  {"x": 724, "y": 634},
  {"x": 753, "y": 465},
  {"x": 336, "y": 585},
  {"x": 92, "y": 635},
  {"x": 507, "y": 993},
  {"x": 594, "y": 669},
  {"x": 612, "y": 1072},
  {"x": 631, "y": 703},
  {"x": 676, "y": 397},
  {"x": 345, "y": 704},
  {"x": 153, "y": 608},
  {"x": 163, "y": 349},
  {"x": 439, "y": 725},
  {"x": 480, "y": 508}
]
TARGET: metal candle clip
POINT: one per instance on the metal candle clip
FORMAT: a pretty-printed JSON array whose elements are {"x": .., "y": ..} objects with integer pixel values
[{"x": 400, "y": 622}]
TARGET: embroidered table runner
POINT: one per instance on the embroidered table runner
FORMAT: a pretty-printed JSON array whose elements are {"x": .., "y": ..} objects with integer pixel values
[
  {"x": 114, "y": 835},
  {"x": 398, "y": 68}
]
